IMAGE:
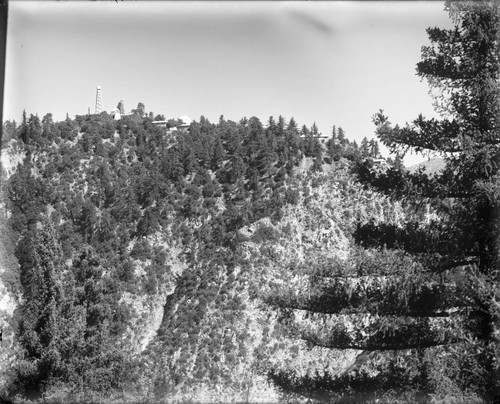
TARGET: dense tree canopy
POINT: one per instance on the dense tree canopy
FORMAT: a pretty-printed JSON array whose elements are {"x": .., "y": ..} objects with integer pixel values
[{"x": 88, "y": 204}]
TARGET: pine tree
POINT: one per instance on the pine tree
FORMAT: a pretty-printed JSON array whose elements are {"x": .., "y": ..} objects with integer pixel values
[
  {"x": 34, "y": 129},
  {"x": 291, "y": 148},
  {"x": 218, "y": 154},
  {"x": 141, "y": 110},
  {"x": 373, "y": 149},
  {"x": 48, "y": 126},
  {"x": 364, "y": 148},
  {"x": 429, "y": 302},
  {"x": 40, "y": 260},
  {"x": 121, "y": 107},
  {"x": 23, "y": 129},
  {"x": 341, "y": 138}
]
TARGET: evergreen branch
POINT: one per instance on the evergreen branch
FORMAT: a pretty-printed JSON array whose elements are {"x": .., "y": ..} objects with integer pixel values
[
  {"x": 393, "y": 297},
  {"x": 386, "y": 334},
  {"x": 348, "y": 388}
]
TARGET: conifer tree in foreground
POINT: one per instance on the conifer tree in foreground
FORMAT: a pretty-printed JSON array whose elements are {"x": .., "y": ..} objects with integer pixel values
[
  {"x": 423, "y": 298},
  {"x": 40, "y": 261}
]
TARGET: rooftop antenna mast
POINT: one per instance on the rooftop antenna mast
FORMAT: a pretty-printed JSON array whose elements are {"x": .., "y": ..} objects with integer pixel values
[{"x": 98, "y": 100}]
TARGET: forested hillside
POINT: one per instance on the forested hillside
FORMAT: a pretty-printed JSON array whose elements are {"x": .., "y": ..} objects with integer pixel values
[
  {"x": 144, "y": 254},
  {"x": 259, "y": 262}
]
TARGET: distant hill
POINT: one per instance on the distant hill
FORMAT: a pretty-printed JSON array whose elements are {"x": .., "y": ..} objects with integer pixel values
[{"x": 432, "y": 166}]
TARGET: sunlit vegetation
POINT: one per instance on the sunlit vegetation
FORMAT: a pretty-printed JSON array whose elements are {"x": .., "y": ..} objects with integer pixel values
[{"x": 87, "y": 203}]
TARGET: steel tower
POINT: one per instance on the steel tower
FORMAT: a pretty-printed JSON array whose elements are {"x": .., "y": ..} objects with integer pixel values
[{"x": 98, "y": 100}]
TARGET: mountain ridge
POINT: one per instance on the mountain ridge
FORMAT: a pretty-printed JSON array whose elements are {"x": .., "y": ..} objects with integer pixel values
[
  {"x": 431, "y": 166},
  {"x": 179, "y": 235}
]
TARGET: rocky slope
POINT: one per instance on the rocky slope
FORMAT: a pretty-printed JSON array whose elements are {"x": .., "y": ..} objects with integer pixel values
[
  {"x": 194, "y": 324},
  {"x": 9, "y": 276},
  {"x": 317, "y": 226}
]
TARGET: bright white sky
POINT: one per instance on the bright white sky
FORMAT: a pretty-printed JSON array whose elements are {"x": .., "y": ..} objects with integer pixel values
[{"x": 333, "y": 63}]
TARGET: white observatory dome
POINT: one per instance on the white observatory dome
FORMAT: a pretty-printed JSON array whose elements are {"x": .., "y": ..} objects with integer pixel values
[{"x": 186, "y": 120}]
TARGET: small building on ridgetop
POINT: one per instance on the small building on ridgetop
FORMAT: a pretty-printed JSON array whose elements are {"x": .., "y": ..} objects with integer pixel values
[
  {"x": 180, "y": 124},
  {"x": 115, "y": 113},
  {"x": 185, "y": 122},
  {"x": 161, "y": 124}
]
